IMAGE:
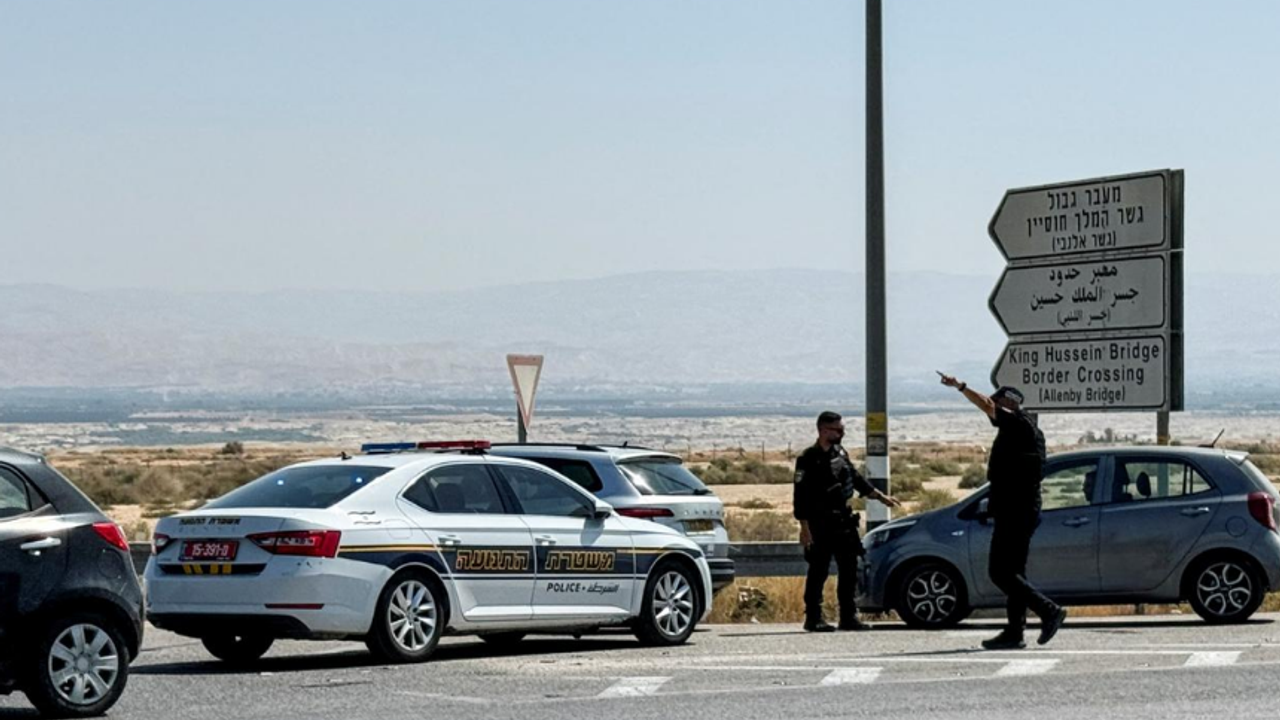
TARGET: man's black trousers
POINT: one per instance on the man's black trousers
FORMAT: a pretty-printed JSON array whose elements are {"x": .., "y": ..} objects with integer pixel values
[
  {"x": 1007, "y": 565},
  {"x": 836, "y": 537}
]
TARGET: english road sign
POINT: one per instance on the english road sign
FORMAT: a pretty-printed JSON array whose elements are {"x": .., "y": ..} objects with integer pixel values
[
  {"x": 1126, "y": 212},
  {"x": 1082, "y": 297},
  {"x": 1129, "y": 373}
]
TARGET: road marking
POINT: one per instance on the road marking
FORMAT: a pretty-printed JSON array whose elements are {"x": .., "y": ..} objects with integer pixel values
[
  {"x": 634, "y": 687},
  {"x": 852, "y": 676},
  {"x": 1026, "y": 667},
  {"x": 1211, "y": 659}
]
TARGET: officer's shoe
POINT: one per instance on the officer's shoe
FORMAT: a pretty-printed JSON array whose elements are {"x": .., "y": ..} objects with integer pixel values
[
  {"x": 853, "y": 624},
  {"x": 1005, "y": 641},
  {"x": 818, "y": 625},
  {"x": 1049, "y": 626}
]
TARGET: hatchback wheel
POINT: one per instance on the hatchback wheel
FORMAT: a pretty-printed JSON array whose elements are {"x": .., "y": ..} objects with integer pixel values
[
  {"x": 407, "y": 622},
  {"x": 83, "y": 667},
  {"x": 670, "y": 606},
  {"x": 238, "y": 649},
  {"x": 931, "y": 596},
  {"x": 1225, "y": 590}
]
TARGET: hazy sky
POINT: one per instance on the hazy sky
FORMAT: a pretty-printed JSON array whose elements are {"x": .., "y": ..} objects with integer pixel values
[{"x": 441, "y": 145}]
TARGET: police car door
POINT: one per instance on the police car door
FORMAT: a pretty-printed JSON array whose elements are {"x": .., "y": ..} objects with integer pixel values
[
  {"x": 584, "y": 563},
  {"x": 487, "y": 551}
]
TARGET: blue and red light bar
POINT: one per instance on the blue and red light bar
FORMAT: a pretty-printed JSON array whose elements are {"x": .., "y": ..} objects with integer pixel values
[{"x": 384, "y": 448}]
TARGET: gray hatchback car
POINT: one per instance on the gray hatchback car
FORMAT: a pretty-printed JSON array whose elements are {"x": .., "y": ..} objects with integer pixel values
[{"x": 1120, "y": 525}]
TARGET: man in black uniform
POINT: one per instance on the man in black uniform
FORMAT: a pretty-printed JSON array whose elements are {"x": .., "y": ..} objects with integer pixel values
[
  {"x": 1015, "y": 470},
  {"x": 825, "y": 482}
]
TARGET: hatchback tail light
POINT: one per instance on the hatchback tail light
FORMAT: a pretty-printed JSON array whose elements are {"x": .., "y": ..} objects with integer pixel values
[
  {"x": 112, "y": 533},
  {"x": 306, "y": 543},
  {"x": 1262, "y": 507},
  {"x": 645, "y": 513}
]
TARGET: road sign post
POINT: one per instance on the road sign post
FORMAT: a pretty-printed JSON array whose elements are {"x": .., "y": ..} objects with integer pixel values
[
  {"x": 1091, "y": 299},
  {"x": 525, "y": 371}
]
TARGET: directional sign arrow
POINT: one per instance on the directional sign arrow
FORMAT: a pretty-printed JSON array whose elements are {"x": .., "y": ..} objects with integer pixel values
[
  {"x": 1127, "y": 212},
  {"x": 1086, "y": 375},
  {"x": 1082, "y": 297}
]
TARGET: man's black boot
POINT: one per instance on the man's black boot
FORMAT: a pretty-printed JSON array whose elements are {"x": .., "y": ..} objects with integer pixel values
[
  {"x": 1049, "y": 626},
  {"x": 851, "y": 623},
  {"x": 817, "y": 624},
  {"x": 1006, "y": 640}
]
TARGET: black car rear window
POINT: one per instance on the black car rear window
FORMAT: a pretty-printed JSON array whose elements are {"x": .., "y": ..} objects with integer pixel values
[
  {"x": 660, "y": 476},
  {"x": 311, "y": 486}
]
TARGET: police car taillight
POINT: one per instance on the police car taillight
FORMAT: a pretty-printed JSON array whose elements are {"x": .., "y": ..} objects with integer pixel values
[
  {"x": 158, "y": 542},
  {"x": 306, "y": 543}
]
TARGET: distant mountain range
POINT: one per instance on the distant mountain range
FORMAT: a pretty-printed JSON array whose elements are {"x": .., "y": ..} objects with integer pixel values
[{"x": 658, "y": 332}]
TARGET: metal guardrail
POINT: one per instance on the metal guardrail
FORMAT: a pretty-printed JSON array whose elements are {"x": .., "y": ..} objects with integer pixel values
[{"x": 750, "y": 559}]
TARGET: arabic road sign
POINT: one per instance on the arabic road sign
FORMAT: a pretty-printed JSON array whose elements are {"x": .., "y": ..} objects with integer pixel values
[
  {"x": 1127, "y": 212},
  {"x": 525, "y": 372},
  {"x": 1082, "y": 297},
  {"x": 1108, "y": 374}
]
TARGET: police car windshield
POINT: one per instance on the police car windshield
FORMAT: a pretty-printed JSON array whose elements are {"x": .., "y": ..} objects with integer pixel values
[
  {"x": 312, "y": 486},
  {"x": 653, "y": 476}
]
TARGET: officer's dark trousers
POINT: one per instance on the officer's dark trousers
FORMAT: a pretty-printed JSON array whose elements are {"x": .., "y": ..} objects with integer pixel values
[
  {"x": 1007, "y": 564},
  {"x": 835, "y": 537}
]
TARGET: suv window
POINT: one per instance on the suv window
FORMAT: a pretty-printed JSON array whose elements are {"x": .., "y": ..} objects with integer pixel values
[
  {"x": 661, "y": 476},
  {"x": 579, "y": 471},
  {"x": 15, "y": 499},
  {"x": 1139, "y": 480},
  {"x": 457, "y": 488},
  {"x": 541, "y": 493},
  {"x": 311, "y": 486},
  {"x": 1068, "y": 486}
]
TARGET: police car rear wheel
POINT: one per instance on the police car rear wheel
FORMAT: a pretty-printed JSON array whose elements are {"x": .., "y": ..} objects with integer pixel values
[
  {"x": 931, "y": 596},
  {"x": 670, "y": 607},
  {"x": 406, "y": 625},
  {"x": 238, "y": 649}
]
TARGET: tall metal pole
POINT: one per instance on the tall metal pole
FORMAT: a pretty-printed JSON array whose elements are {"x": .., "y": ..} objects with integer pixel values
[
  {"x": 877, "y": 376},
  {"x": 522, "y": 433}
]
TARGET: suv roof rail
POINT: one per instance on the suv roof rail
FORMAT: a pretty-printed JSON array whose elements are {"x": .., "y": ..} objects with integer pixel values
[{"x": 576, "y": 446}]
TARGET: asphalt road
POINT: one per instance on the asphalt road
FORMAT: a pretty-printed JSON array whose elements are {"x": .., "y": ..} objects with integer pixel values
[{"x": 1162, "y": 667}]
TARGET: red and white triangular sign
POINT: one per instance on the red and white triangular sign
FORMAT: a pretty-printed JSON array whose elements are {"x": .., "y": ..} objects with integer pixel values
[{"x": 525, "y": 371}]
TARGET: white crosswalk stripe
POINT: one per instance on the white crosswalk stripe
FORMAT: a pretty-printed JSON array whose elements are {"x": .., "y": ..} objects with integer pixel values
[
  {"x": 634, "y": 687},
  {"x": 1212, "y": 659},
  {"x": 852, "y": 676},
  {"x": 1026, "y": 667}
]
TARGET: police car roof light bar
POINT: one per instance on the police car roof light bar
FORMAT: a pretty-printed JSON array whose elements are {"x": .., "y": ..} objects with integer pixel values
[{"x": 455, "y": 445}]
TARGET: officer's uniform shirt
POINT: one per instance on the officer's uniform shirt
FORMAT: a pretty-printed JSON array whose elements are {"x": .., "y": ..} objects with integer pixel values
[
  {"x": 825, "y": 481},
  {"x": 1016, "y": 466}
]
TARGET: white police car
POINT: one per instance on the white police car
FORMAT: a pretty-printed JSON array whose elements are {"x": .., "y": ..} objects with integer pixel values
[{"x": 399, "y": 547}]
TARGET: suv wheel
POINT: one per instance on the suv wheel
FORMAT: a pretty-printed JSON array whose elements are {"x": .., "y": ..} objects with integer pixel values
[
  {"x": 238, "y": 649},
  {"x": 83, "y": 665},
  {"x": 408, "y": 619},
  {"x": 670, "y": 606},
  {"x": 931, "y": 596},
  {"x": 1225, "y": 590}
]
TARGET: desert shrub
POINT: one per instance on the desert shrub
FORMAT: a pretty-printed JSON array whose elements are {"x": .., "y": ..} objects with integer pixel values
[
  {"x": 927, "y": 500},
  {"x": 723, "y": 471},
  {"x": 235, "y": 447},
  {"x": 1269, "y": 464},
  {"x": 943, "y": 467},
  {"x": 761, "y": 526},
  {"x": 755, "y": 504},
  {"x": 975, "y": 476},
  {"x": 107, "y": 485},
  {"x": 159, "y": 486}
]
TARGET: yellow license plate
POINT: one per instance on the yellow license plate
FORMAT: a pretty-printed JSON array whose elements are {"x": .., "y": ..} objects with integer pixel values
[{"x": 699, "y": 526}]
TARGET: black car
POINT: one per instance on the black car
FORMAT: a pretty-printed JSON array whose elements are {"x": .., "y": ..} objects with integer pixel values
[{"x": 70, "y": 603}]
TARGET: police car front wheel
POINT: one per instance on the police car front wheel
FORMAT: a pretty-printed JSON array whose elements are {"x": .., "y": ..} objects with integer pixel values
[
  {"x": 408, "y": 619},
  {"x": 670, "y": 606}
]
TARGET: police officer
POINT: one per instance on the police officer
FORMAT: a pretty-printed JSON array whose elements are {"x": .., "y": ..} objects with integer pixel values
[
  {"x": 1014, "y": 472},
  {"x": 824, "y": 483}
]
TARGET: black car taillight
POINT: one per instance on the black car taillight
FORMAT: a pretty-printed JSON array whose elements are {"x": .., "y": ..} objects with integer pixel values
[
  {"x": 112, "y": 533},
  {"x": 1261, "y": 507}
]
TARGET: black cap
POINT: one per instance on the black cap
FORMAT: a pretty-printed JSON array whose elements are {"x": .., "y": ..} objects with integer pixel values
[{"x": 1012, "y": 393}]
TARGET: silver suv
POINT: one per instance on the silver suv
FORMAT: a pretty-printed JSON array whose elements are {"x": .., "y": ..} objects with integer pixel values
[
  {"x": 642, "y": 483},
  {"x": 1120, "y": 525}
]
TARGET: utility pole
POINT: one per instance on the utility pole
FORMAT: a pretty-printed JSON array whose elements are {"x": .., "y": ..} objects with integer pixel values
[{"x": 877, "y": 376}]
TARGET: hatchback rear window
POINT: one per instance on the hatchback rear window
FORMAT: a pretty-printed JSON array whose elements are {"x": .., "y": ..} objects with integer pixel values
[
  {"x": 662, "y": 477},
  {"x": 313, "y": 486}
]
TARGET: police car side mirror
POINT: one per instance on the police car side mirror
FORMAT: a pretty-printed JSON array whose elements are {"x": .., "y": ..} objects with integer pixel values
[{"x": 602, "y": 510}]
